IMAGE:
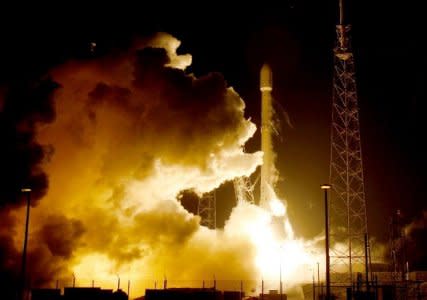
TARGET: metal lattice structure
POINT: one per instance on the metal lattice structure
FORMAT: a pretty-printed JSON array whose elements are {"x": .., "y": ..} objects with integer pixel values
[
  {"x": 206, "y": 209},
  {"x": 397, "y": 245},
  {"x": 348, "y": 221},
  {"x": 243, "y": 189}
]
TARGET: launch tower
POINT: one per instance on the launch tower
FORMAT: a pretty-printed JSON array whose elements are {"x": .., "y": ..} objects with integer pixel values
[{"x": 348, "y": 221}]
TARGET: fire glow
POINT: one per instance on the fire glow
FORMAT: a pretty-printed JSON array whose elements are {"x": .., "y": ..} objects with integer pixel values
[{"x": 284, "y": 254}]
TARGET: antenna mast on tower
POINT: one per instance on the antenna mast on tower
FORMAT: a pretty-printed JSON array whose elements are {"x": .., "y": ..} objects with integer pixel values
[{"x": 348, "y": 221}]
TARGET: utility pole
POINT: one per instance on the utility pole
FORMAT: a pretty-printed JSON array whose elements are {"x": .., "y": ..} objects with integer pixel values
[{"x": 318, "y": 279}]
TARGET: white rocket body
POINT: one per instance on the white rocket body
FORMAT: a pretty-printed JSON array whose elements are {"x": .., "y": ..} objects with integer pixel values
[{"x": 268, "y": 172}]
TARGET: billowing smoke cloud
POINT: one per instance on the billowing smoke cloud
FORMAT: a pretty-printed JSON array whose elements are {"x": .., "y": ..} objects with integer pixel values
[
  {"x": 22, "y": 107},
  {"x": 56, "y": 240},
  {"x": 9, "y": 263},
  {"x": 132, "y": 130}
]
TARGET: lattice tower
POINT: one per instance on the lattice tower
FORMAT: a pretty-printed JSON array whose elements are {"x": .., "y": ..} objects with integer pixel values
[
  {"x": 206, "y": 209},
  {"x": 348, "y": 221}
]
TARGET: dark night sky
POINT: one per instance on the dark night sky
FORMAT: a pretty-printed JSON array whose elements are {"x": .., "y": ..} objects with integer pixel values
[{"x": 297, "y": 38}]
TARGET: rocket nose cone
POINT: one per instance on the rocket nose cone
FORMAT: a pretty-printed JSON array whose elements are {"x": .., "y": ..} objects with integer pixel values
[
  {"x": 266, "y": 78},
  {"x": 266, "y": 68}
]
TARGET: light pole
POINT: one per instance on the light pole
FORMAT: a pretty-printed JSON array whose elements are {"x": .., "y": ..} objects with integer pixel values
[
  {"x": 326, "y": 187},
  {"x": 314, "y": 286},
  {"x": 280, "y": 272},
  {"x": 262, "y": 289},
  {"x": 26, "y": 191},
  {"x": 318, "y": 279},
  {"x": 281, "y": 292}
]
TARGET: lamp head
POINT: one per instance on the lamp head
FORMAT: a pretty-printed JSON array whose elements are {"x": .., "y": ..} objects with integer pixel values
[{"x": 325, "y": 186}]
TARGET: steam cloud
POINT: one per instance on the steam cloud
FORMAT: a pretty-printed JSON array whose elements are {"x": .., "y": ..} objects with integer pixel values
[{"x": 132, "y": 131}]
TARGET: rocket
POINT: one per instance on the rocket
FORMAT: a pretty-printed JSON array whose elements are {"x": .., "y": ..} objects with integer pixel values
[{"x": 268, "y": 173}]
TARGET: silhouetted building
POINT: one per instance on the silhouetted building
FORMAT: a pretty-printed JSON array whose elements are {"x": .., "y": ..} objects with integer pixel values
[
  {"x": 78, "y": 293},
  {"x": 233, "y": 295},
  {"x": 91, "y": 293},
  {"x": 120, "y": 295},
  {"x": 46, "y": 294},
  {"x": 86, "y": 293},
  {"x": 273, "y": 295},
  {"x": 183, "y": 294}
]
